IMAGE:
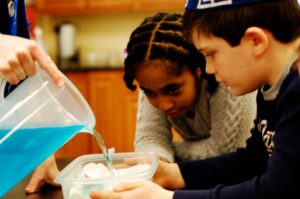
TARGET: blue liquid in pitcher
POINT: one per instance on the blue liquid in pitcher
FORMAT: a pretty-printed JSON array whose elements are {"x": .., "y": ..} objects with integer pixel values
[{"x": 26, "y": 149}]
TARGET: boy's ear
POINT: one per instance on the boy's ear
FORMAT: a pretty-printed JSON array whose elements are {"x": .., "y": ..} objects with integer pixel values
[{"x": 258, "y": 38}]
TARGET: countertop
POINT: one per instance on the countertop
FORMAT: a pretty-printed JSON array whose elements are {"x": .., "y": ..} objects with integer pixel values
[
  {"x": 46, "y": 191},
  {"x": 89, "y": 68}
]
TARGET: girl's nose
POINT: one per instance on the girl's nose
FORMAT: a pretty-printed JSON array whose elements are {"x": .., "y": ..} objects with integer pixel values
[{"x": 165, "y": 104}]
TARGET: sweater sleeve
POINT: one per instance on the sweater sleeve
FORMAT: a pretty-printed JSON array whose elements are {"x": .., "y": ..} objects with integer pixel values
[
  {"x": 231, "y": 118},
  {"x": 251, "y": 173},
  {"x": 153, "y": 130}
]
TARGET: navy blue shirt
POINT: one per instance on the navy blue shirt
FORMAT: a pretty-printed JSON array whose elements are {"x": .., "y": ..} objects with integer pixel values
[
  {"x": 269, "y": 166},
  {"x": 5, "y": 28},
  {"x": 5, "y": 25}
]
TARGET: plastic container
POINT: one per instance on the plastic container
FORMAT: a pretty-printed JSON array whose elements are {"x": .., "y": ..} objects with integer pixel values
[
  {"x": 75, "y": 186},
  {"x": 36, "y": 119}
]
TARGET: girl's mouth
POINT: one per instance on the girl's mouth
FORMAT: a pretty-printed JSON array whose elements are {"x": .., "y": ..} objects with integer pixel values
[{"x": 176, "y": 113}]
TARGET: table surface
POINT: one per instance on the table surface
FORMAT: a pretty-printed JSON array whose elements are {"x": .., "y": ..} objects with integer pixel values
[{"x": 46, "y": 191}]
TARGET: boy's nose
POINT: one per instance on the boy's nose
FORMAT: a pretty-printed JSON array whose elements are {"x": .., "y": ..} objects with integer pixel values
[{"x": 209, "y": 68}]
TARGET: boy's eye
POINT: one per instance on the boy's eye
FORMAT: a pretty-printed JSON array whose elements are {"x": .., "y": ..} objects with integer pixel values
[{"x": 209, "y": 54}]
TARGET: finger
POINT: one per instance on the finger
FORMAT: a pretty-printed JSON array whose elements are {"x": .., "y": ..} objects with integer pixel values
[
  {"x": 27, "y": 62},
  {"x": 128, "y": 186},
  {"x": 6, "y": 70},
  {"x": 20, "y": 73},
  {"x": 101, "y": 194},
  {"x": 137, "y": 160},
  {"x": 16, "y": 68},
  {"x": 11, "y": 77},
  {"x": 47, "y": 64},
  {"x": 51, "y": 178},
  {"x": 33, "y": 184}
]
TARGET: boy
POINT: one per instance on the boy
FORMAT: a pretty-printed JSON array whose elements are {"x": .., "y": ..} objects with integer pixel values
[{"x": 248, "y": 45}]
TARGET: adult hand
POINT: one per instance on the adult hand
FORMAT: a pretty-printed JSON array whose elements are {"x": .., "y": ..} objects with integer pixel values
[
  {"x": 134, "y": 190},
  {"x": 168, "y": 175},
  {"x": 17, "y": 60},
  {"x": 46, "y": 172}
]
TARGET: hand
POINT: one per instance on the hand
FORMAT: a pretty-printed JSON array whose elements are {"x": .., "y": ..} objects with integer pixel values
[
  {"x": 46, "y": 172},
  {"x": 134, "y": 190},
  {"x": 166, "y": 174},
  {"x": 17, "y": 60}
]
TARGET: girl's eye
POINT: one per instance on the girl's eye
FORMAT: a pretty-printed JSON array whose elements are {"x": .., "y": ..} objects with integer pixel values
[
  {"x": 172, "y": 90},
  {"x": 149, "y": 94}
]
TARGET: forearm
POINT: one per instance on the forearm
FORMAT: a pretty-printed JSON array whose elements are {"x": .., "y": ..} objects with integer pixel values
[
  {"x": 153, "y": 131},
  {"x": 227, "y": 169}
]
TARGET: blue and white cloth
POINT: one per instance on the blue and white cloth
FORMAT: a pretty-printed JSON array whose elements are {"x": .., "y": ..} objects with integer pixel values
[
  {"x": 211, "y": 4},
  {"x": 12, "y": 25}
]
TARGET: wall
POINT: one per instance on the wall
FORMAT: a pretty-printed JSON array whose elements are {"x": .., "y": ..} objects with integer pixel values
[{"x": 96, "y": 33}]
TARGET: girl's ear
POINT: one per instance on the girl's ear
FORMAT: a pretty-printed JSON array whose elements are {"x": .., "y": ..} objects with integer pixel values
[
  {"x": 258, "y": 39},
  {"x": 198, "y": 72}
]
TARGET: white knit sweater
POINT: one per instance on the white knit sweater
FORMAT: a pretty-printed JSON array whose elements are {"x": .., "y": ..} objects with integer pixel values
[{"x": 221, "y": 124}]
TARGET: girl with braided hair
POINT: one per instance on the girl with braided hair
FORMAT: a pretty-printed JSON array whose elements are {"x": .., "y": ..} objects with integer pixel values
[{"x": 177, "y": 93}]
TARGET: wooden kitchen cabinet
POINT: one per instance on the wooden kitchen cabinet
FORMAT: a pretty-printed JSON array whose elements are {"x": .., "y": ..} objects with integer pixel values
[
  {"x": 59, "y": 7},
  {"x": 160, "y": 5},
  {"x": 110, "y": 6},
  {"x": 76, "y": 7},
  {"x": 114, "y": 107},
  {"x": 80, "y": 144}
]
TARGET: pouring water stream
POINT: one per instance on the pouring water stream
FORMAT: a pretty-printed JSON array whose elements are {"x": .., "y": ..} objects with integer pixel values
[{"x": 102, "y": 146}]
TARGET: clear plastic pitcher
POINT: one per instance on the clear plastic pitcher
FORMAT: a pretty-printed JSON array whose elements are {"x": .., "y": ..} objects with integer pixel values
[{"x": 36, "y": 119}]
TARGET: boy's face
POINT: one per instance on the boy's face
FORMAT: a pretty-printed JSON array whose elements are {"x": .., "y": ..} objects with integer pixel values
[{"x": 235, "y": 67}]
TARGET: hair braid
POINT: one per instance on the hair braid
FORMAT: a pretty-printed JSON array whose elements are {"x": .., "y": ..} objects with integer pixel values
[{"x": 160, "y": 37}]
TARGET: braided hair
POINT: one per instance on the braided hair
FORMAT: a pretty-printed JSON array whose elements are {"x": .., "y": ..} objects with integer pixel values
[{"x": 160, "y": 37}]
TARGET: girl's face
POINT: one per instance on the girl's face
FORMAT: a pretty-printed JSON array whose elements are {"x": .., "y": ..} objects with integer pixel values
[{"x": 172, "y": 94}]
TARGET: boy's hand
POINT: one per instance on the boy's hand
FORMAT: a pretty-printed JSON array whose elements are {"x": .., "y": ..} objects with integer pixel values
[
  {"x": 46, "y": 172},
  {"x": 134, "y": 190},
  {"x": 17, "y": 60}
]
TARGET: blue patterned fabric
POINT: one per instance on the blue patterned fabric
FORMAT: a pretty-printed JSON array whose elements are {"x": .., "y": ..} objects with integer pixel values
[
  {"x": 211, "y": 4},
  {"x": 6, "y": 28}
]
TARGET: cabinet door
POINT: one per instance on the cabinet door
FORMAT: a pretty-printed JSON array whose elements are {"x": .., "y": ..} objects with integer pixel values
[
  {"x": 114, "y": 109},
  {"x": 110, "y": 5},
  {"x": 57, "y": 7},
  {"x": 80, "y": 144},
  {"x": 160, "y": 5},
  {"x": 128, "y": 118},
  {"x": 104, "y": 97}
]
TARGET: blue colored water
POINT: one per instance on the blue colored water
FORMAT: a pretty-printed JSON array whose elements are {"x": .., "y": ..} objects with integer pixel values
[{"x": 25, "y": 149}]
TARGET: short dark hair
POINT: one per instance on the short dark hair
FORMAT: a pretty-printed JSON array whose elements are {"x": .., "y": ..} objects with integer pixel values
[
  {"x": 160, "y": 37},
  {"x": 280, "y": 17}
]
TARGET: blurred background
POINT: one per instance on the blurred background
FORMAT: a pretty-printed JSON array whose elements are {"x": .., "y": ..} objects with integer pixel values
[{"x": 99, "y": 28}]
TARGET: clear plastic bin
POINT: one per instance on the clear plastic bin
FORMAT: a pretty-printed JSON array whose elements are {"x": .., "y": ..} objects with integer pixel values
[{"x": 74, "y": 186}]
